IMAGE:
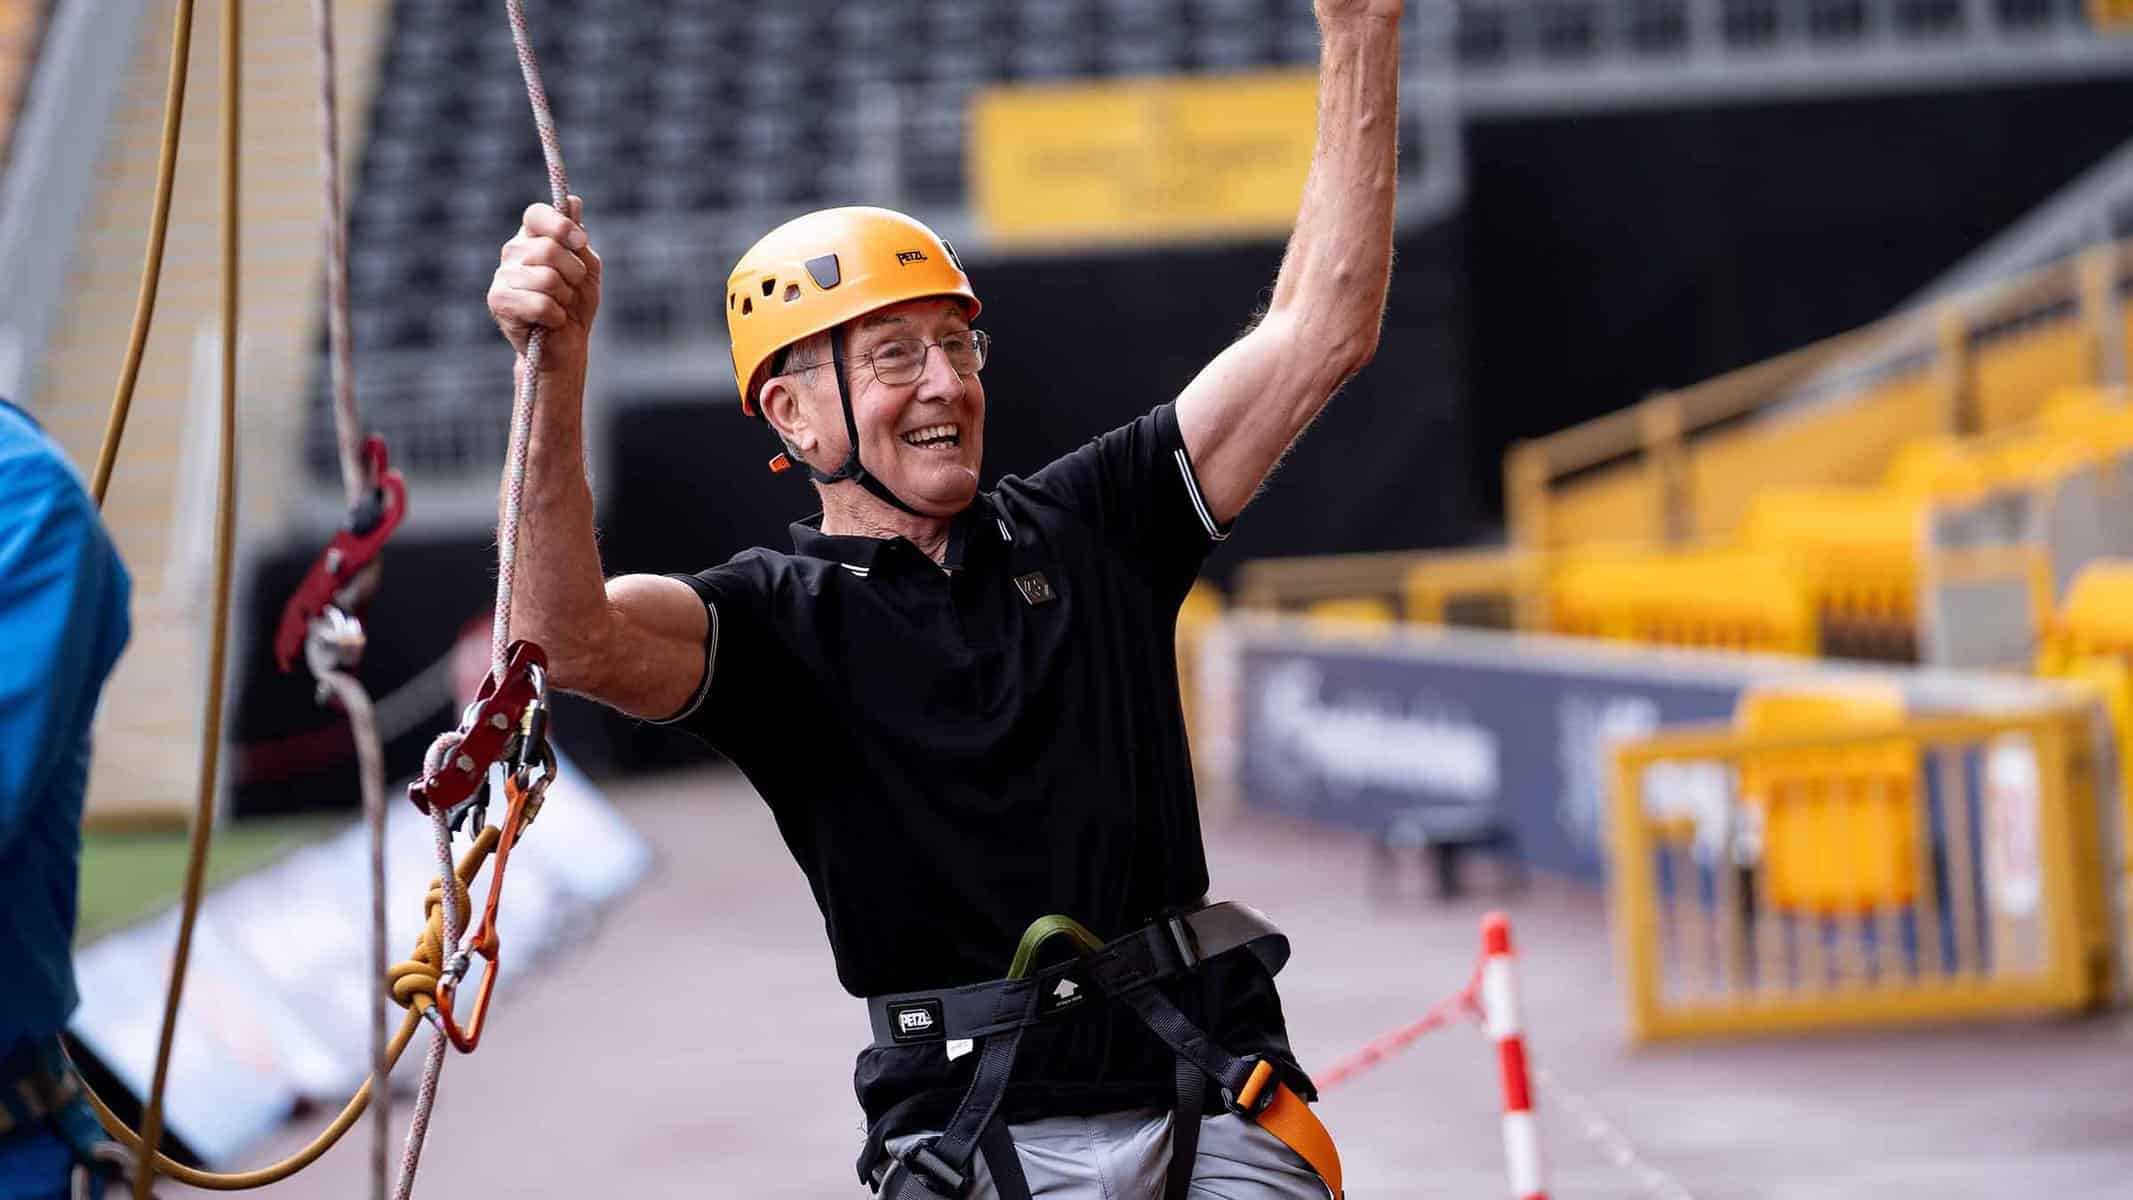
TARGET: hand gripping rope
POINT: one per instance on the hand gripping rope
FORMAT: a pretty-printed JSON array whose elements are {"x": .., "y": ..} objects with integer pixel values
[{"x": 319, "y": 619}]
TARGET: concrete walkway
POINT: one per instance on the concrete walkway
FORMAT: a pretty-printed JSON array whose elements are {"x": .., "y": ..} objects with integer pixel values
[{"x": 698, "y": 1045}]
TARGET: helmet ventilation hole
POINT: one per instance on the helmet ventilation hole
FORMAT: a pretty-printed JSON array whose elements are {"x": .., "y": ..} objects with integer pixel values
[
  {"x": 769, "y": 286},
  {"x": 792, "y": 292},
  {"x": 747, "y": 307}
]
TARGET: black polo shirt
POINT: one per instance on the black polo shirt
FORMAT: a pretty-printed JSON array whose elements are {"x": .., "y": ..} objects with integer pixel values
[{"x": 954, "y": 750}]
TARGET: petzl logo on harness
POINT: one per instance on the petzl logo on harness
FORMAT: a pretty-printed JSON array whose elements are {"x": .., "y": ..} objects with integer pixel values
[
  {"x": 1065, "y": 994},
  {"x": 905, "y": 258},
  {"x": 915, "y": 1022}
]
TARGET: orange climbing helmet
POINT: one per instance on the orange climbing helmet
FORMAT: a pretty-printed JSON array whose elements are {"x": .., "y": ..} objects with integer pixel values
[{"x": 818, "y": 271}]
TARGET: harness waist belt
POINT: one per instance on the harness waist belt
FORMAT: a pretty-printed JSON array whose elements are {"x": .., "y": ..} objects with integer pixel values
[
  {"x": 33, "y": 1086},
  {"x": 1151, "y": 954}
]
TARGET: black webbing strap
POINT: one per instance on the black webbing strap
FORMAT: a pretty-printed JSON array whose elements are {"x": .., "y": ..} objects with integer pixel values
[
  {"x": 998, "y": 1147},
  {"x": 1185, "y": 1128},
  {"x": 1190, "y": 1042},
  {"x": 851, "y": 468},
  {"x": 999, "y": 1012},
  {"x": 1163, "y": 950},
  {"x": 942, "y": 1164}
]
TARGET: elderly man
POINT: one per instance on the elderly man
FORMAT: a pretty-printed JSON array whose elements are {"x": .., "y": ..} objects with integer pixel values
[{"x": 962, "y": 706}]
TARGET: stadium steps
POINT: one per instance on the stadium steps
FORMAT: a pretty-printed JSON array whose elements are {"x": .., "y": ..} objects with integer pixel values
[{"x": 161, "y": 504}]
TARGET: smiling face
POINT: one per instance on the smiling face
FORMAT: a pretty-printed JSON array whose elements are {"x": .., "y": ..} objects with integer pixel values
[{"x": 923, "y": 439}]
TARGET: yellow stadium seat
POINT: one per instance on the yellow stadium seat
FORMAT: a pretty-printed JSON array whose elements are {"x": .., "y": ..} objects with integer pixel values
[
  {"x": 1202, "y": 604},
  {"x": 1712, "y": 599},
  {"x": 1858, "y": 551},
  {"x": 1935, "y": 466},
  {"x": 2097, "y": 618},
  {"x": 1840, "y": 827},
  {"x": 1368, "y": 611},
  {"x": 2096, "y": 419},
  {"x": 1201, "y": 609}
]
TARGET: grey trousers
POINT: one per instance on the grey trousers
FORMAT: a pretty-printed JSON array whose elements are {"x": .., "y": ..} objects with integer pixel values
[{"x": 1126, "y": 1156}]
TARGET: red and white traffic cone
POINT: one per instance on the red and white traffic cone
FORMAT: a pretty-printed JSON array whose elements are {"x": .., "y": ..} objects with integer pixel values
[{"x": 1499, "y": 1014}]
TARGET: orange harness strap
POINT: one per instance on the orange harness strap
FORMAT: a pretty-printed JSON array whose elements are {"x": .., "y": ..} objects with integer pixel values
[{"x": 1287, "y": 1117}]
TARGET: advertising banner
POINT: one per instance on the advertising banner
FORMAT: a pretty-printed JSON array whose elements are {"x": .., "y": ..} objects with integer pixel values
[
  {"x": 1344, "y": 733},
  {"x": 1143, "y": 159}
]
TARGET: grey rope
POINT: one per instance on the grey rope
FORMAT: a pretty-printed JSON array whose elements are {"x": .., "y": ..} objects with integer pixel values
[
  {"x": 370, "y": 760},
  {"x": 433, "y": 1059},
  {"x": 346, "y": 425},
  {"x": 528, "y": 387},
  {"x": 514, "y": 492},
  {"x": 335, "y": 640}
]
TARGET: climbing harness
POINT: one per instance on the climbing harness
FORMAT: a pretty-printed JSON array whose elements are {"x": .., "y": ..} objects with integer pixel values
[
  {"x": 1127, "y": 971},
  {"x": 39, "y": 1090}
]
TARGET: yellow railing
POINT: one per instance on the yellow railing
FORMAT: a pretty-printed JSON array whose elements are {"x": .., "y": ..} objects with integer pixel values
[
  {"x": 1683, "y": 466},
  {"x": 1911, "y": 870},
  {"x": 2090, "y": 641},
  {"x": 1283, "y": 584}
]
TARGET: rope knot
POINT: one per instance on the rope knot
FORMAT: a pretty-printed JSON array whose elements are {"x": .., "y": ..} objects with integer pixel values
[{"x": 413, "y": 981}]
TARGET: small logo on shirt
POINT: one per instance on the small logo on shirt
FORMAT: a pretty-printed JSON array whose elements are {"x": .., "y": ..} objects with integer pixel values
[
  {"x": 905, "y": 258},
  {"x": 1065, "y": 995},
  {"x": 915, "y": 1022},
  {"x": 1035, "y": 588}
]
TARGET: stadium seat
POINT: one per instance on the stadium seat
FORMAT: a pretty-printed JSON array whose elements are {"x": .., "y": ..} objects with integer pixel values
[
  {"x": 1858, "y": 551},
  {"x": 1838, "y": 827},
  {"x": 1712, "y": 599}
]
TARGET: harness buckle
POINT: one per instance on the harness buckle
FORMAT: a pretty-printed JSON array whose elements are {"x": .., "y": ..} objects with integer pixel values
[
  {"x": 1257, "y": 1093},
  {"x": 1181, "y": 936},
  {"x": 929, "y": 1168}
]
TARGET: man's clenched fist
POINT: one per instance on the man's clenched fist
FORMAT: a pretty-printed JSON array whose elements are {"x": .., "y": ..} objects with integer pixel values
[{"x": 548, "y": 279}]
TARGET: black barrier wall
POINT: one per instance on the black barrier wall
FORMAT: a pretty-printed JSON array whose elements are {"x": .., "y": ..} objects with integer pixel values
[{"x": 1614, "y": 255}]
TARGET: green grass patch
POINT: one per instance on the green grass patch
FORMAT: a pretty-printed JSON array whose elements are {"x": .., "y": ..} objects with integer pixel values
[{"x": 130, "y": 875}]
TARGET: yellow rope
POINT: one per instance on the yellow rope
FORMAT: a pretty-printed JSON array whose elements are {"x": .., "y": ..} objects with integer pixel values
[
  {"x": 414, "y": 981},
  {"x": 152, "y": 268},
  {"x": 414, "y": 986},
  {"x": 225, "y": 535}
]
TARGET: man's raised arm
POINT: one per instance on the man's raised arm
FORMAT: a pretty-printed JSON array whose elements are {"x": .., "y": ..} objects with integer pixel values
[
  {"x": 635, "y": 642},
  {"x": 1245, "y": 408}
]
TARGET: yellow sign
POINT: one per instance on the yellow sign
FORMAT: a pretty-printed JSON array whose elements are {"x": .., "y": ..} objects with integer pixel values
[
  {"x": 1146, "y": 159},
  {"x": 2115, "y": 16}
]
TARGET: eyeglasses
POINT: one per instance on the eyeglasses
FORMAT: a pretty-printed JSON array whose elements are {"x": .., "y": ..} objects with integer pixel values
[{"x": 899, "y": 361}]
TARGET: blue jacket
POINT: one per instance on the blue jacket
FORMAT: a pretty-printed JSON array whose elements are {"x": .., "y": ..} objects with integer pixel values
[{"x": 63, "y": 621}]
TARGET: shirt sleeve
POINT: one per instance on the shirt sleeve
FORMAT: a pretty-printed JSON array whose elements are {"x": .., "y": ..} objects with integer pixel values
[
  {"x": 741, "y": 667},
  {"x": 63, "y": 619},
  {"x": 1136, "y": 487}
]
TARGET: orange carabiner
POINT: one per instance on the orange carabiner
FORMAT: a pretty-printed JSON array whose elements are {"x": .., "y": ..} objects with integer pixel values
[{"x": 484, "y": 940}]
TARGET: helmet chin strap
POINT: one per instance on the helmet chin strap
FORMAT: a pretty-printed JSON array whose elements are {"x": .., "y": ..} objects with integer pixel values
[{"x": 852, "y": 470}]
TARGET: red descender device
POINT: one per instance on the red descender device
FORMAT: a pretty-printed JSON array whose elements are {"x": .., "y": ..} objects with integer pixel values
[
  {"x": 508, "y": 724},
  {"x": 342, "y": 576}
]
